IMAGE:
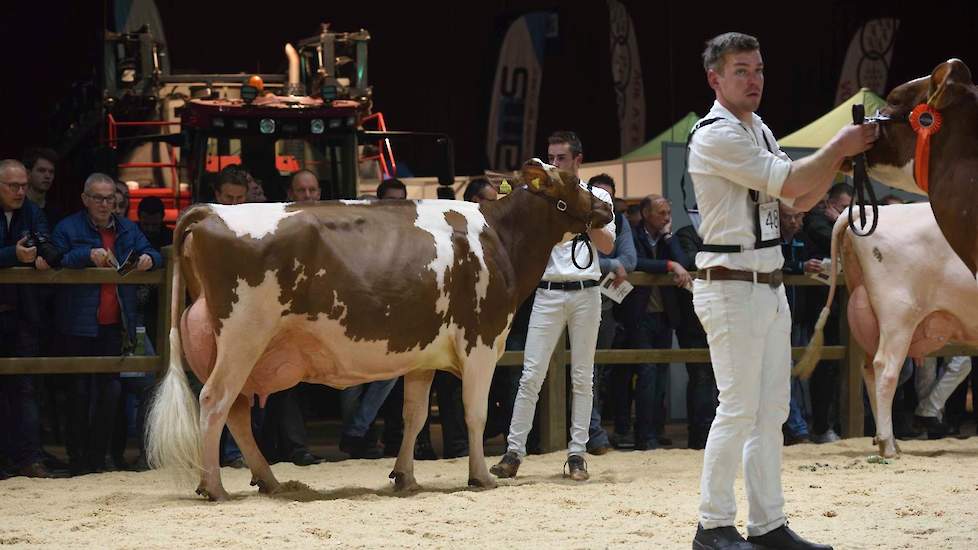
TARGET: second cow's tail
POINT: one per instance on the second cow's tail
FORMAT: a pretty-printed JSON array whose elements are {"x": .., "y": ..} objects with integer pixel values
[
  {"x": 813, "y": 352},
  {"x": 172, "y": 424}
]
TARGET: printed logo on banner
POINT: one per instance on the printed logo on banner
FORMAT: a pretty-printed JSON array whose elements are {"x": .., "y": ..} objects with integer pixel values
[
  {"x": 516, "y": 91},
  {"x": 867, "y": 63},
  {"x": 626, "y": 71}
]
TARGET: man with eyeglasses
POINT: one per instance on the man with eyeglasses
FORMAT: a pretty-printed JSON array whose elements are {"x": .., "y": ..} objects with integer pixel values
[
  {"x": 20, "y": 444},
  {"x": 96, "y": 320}
]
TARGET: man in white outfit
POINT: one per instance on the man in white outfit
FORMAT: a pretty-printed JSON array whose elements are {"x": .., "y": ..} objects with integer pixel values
[
  {"x": 739, "y": 175},
  {"x": 934, "y": 392},
  {"x": 567, "y": 296}
]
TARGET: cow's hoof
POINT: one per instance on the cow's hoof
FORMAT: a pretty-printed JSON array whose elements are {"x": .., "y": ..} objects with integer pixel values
[
  {"x": 403, "y": 483},
  {"x": 214, "y": 496},
  {"x": 888, "y": 447},
  {"x": 488, "y": 483},
  {"x": 266, "y": 487}
]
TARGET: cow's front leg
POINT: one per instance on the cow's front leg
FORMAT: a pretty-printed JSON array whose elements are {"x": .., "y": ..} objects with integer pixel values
[
  {"x": 239, "y": 421},
  {"x": 476, "y": 379},
  {"x": 417, "y": 385}
]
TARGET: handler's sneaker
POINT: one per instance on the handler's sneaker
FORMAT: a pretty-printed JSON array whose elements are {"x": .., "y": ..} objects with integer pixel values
[
  {"x": 784, "y": 538},
  {"x": 720, "y": 538},
  {"x": 828, "y": 437},
  {"x": 576, "y": 468},
  {"x": 507, "y": 466}
]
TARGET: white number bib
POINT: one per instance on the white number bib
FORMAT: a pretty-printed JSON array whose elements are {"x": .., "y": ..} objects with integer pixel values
[{"x": 769, "y": 221}]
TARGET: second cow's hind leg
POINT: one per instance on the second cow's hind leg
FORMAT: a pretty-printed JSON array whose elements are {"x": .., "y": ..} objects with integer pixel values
[
  {"x": 239, "y": 421},
  {"x": 417, "y": 385}
]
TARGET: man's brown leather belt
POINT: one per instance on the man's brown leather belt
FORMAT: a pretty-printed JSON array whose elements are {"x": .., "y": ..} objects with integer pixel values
[{"x": 774, "y": 278}]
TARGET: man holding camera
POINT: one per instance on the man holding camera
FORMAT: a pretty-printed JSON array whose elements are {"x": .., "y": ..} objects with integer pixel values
[{"x": 20, "y": 445}]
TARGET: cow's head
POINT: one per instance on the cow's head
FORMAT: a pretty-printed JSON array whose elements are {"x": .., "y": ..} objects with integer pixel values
[
  {"x": 567, "y": 194},
  {"x": 950, "y": 91}
]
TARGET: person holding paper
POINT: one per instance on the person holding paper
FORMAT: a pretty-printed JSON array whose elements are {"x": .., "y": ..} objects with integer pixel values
[
  {"x": 94, "y": 320},
  {"x": 616, "y": 265},
  {"x": 650, "y": 314}
]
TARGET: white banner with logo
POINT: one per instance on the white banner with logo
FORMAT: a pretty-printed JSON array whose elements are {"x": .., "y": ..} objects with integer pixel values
[
  {"x": 626, "y": 71},
  {"x": 515, "y": 99},
  {"x": 867, "y": 63}
]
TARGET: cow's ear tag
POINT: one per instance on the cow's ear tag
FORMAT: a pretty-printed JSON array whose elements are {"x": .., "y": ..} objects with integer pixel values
[
  {"x": 535, "y": 182},
  {"x": 505, "y": 188}
]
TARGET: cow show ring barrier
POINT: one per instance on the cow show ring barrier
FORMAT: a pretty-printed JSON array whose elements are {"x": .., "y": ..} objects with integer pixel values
[{"x": 553, "y": 395}]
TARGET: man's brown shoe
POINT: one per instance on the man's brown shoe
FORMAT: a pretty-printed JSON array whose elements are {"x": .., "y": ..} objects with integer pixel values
[
  {"x": 508, "y": 465},
  {"x": 576, "y": 468}
]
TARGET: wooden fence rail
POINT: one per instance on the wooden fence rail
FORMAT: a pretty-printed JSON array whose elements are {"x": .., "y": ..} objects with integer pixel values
[{"x": 553, "y": 396}]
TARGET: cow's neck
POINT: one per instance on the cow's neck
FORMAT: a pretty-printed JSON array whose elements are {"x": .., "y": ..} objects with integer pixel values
[{"x": 529, "y": 226}]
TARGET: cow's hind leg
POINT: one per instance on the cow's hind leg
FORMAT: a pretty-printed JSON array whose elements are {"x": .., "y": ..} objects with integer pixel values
[
  {"x": 476, "y": 379},
  {"x": 235, "y": 361},
  {"x": 417, "y": 385},
  {"x": 239, "y": 421},
  {"x": 887, "y": 364}
]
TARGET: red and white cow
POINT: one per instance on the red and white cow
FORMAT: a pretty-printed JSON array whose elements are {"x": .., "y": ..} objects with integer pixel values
[
  {"x": 347, "y": 292},
  {"x": 909, "y": 295},
  {"x": 942, "y": 165}
]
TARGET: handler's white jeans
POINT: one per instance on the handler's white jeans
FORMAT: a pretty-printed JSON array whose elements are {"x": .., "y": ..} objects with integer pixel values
[
  {"x": 580, "y": 311},
  {"x": 955, "y": 371},
  {"x": 748, "y": 327}
]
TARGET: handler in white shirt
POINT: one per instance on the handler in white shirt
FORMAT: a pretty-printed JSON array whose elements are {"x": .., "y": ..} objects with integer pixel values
[
  {"x": 567, "y": 296},
  {"x": 739, "y": 174}
]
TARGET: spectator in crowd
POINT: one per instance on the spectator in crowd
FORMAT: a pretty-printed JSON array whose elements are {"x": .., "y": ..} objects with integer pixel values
[
  {"x": 232, "y": 185},
  {"x": 620, "y": 262},
  {"x": 121, "y": 207},
  {"x": 797, "y": 252},
  {"x": 20, "y": 445},
  {"x": 478, "y": 190},
  {"x": 150, "y": 215},
  {"x": 825, "y": 380},
  {"x": 256, "y": 190},
  {"x": 392, "y": 188},
  {"x": 97, "y": 320},
  {"x": 634, "y": 215},
  {"x": 650, "y": 315},
  {"x": 41, "y": 165},
  {"x": 304, "y": 186},
  {"x": 701, "y": 386},
  {"x": 567, "y": 296}
]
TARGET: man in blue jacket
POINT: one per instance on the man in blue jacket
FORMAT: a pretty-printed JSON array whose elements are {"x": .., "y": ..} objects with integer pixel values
[
  {"x": 97, "y": 320},
  {"x": 650, "y": 315},
  {"x": 20, "y": 443}
]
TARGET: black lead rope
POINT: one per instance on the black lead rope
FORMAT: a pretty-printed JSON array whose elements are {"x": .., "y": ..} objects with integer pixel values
[
  {"x": 862, "y": 186},
  {"x": 583, "y": 238}
]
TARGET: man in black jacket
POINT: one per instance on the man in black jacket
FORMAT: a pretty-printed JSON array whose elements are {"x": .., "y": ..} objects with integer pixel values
[{"x": 650, "y": 313}]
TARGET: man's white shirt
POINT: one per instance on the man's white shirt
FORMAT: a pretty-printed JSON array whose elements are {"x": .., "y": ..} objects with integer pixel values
[{"x": 727, "y": 160}]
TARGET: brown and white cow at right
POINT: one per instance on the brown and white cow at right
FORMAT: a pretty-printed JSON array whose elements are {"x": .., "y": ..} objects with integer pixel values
[
  {"x": 953, "y": 157},
  {"x": 909, "y": 295}
]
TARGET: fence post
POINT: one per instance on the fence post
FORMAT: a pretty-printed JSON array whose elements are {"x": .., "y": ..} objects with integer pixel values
[
  {"x": 553, "y": 400},
  {"x": 851, "y": 377}
]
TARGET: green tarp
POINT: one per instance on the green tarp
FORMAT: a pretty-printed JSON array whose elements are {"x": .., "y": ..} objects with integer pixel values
[{"x": 677, "y": 133}]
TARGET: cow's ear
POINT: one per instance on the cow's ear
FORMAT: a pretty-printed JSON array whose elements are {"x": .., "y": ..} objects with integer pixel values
[
  {"x": 948, "y": 81},
  {"x": 536, "y": 178}
]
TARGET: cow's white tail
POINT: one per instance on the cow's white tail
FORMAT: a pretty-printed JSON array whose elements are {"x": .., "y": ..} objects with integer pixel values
[
  {"x": 172, "y": 426},
  {"x": 813, "y": 352}
]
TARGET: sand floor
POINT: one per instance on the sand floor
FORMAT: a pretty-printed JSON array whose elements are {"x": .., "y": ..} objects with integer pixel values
[{"x": 926, "y": 499}]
